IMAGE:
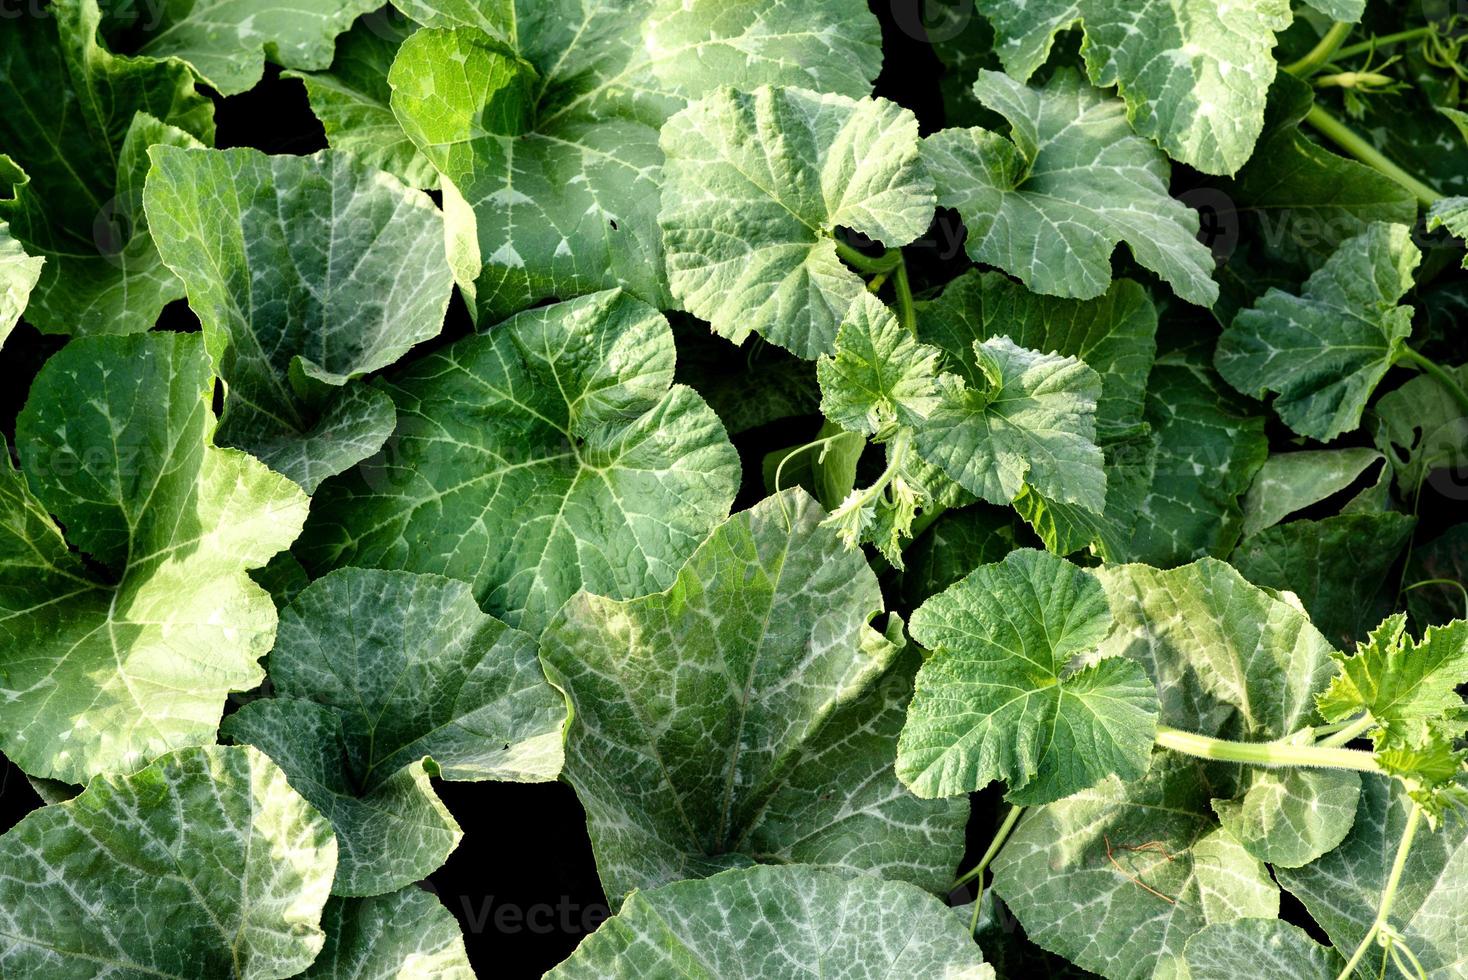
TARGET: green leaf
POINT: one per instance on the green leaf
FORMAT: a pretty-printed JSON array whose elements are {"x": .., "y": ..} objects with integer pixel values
[
  {"x": 1340, "y": 567},
  {"x": 951, "y": 548},
  {"x": 1325, "y": 350},
  {"x": 204, "y": 864},
  {"x": 18, "y": 275},
  {"x": 1444, "y": 558},
  {"x": 1119, "y": 877},
  {"x": 749, "y": 387},
  {"x": 72, "y": 186},
  {"x": 1421, "y": 428},
  {"x": 306, "y": 273},
  {"x": 381, "y": 680},
  {"x": 1066, "y": 528},
  {"x": 1209, "y": 446},
  {"x": 1113, "y": 334},
  {"x": 405, "y": 934},
  {"x": 1289, "y": 817},
  {"x": 758, "y": 183},
  {"x": 1000, "y": 696},
  {"x": 777, "y": 923},
  {"x": 1272, "y": 948},
  {"x": 565, "y": 202},
  {"x": 769, "y": 737},
  {"x": 1410, "y": 689},
  {"x": 1228, "y": 658},
  {"x": 880, "y": 377},
  {"x": 1450, "y": 213},
  {"x": 1052, "y": 205},
  {"x": 1288, "y": 482},
  {"x": 118, "y": 656},
  {"x": 545, "y": 455},
  {"x": 352, "y": 98},
  {"x": 226, "y": 42},
  {"x": 1194, "y": 74},
  {"x": 1342, "y": 890}
]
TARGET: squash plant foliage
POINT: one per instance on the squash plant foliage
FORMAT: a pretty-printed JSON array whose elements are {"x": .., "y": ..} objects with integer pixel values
[{"x": 990, "y": 516}]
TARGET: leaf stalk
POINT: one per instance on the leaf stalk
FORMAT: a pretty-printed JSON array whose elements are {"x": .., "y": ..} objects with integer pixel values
[
  {"x": 1347, "y": 139},
  {"x": 1317, "y": 57},
  {"x": 1388, "y": 894},
  {"x": 1265, "y": 753}
]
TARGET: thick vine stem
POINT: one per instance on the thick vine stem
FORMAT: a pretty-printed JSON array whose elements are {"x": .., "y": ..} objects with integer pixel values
[
  {"x": 1388, "y": 894},
  {"x": 1438, "y": 374},
  {"x": 1347, "y": 139},
  {"x": 1319, "y": 55},
  {"x": 869, "y": 265},
  {"x": 1265, "y": 753}
]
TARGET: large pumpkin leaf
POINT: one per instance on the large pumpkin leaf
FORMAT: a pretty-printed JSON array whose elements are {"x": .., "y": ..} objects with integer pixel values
[
  {"x": 1194, "y": 74},
  {"x": 126, "y": 650},
  {"x": 226, "y": 42},
  {"x": 778, "y": 923},
  {"x": 746, "y": 714},
  {"x": 545, "y": 455},
  {"x": 1288, "y": 482},
  {"x": 1342, "y": 890},
  {"x": 1325, "y": 350},
  {"x": 1117, "y": 878},
  {"x": 381, "y": 680},
  {"x": 998, "y": 697},
  {"x": 72, "y": 185},
  {"x": 757, "y": 184},
  {"x": 1273, "y": 948},
  {"x": 402, "y": 935},
  {"x": 18, "y": 275},
  {"x": 1050, "y": 203},
  {"x": 544, "y": 117},
  {"x": 1209, "y": 445},
  {"x": 204, "y": 864},
  {"x": 1422, "y": 428},
  {"x": 306, "y": 272}
]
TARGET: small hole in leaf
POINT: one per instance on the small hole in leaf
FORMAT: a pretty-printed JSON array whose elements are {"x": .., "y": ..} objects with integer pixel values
[{"x": 613, "y": 222}]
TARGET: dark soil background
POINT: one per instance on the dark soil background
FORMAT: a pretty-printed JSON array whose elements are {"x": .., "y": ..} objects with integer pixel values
[{"x": 523, "y": 882}]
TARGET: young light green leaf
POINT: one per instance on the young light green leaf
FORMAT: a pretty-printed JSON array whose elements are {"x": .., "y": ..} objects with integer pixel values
[
  {"x": 204, "y": 864},
  {"x": 1410, "y": 689},
  {"x": 226, "y": 42},
  {"x": 1051, "y": 203},
  {"x": 1421, "y": 428},
  {"x": 566, "y": 200},
  {"x": 113, "y": 660},
  {"x": 72, "y": 187},
  {"x": 757, "y": 184},
  {"x": 880, "y": 377},
  {"x": 352, "y": 98},
  {"x": 1339, "y": 567},
  {"x": 381, "y": 680},
  {"x": 405, "y": 934},
  {"x": 1194, "y": 74},
  {"x": 18, "y": 275},
  {"x": 1114, "y": 334},
  {"x": 1000, "y": 697},
  {"x": 1288, "y": 482},
  {"x": 1342, "y": 890},
  {"x": 1209, "y": 445},
  {"x": 585, "y": 465},
  {"x": 1325, "y": 350},
  {"x": 1450, "y": 213},
  {"x": 306, "y": 273},
  {"x": 1289, "y": 817},
  {"x": 769, "y": 737},
  {"x": 1119, "y": 877},
  {"x": 777, "y": 923},
  {"x": 1272, "y": 948}
]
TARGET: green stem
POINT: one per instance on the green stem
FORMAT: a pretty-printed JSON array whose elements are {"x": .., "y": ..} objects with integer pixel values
[
  {"x": 1349, "y": 733},
  {"x": 1343, "y": 136},
  {"x": 1388, "y": 894},
  {"x": 1439, "y": 374},
  {"x": 866, "y": 264},
  {"x": 1320, "y": 54},
  {"x": 1377, "y": 43},
  {"x": 1265, "y": 753},
  {"x": 906, "y": 312},
  {"x": 977, "y": 871}
]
